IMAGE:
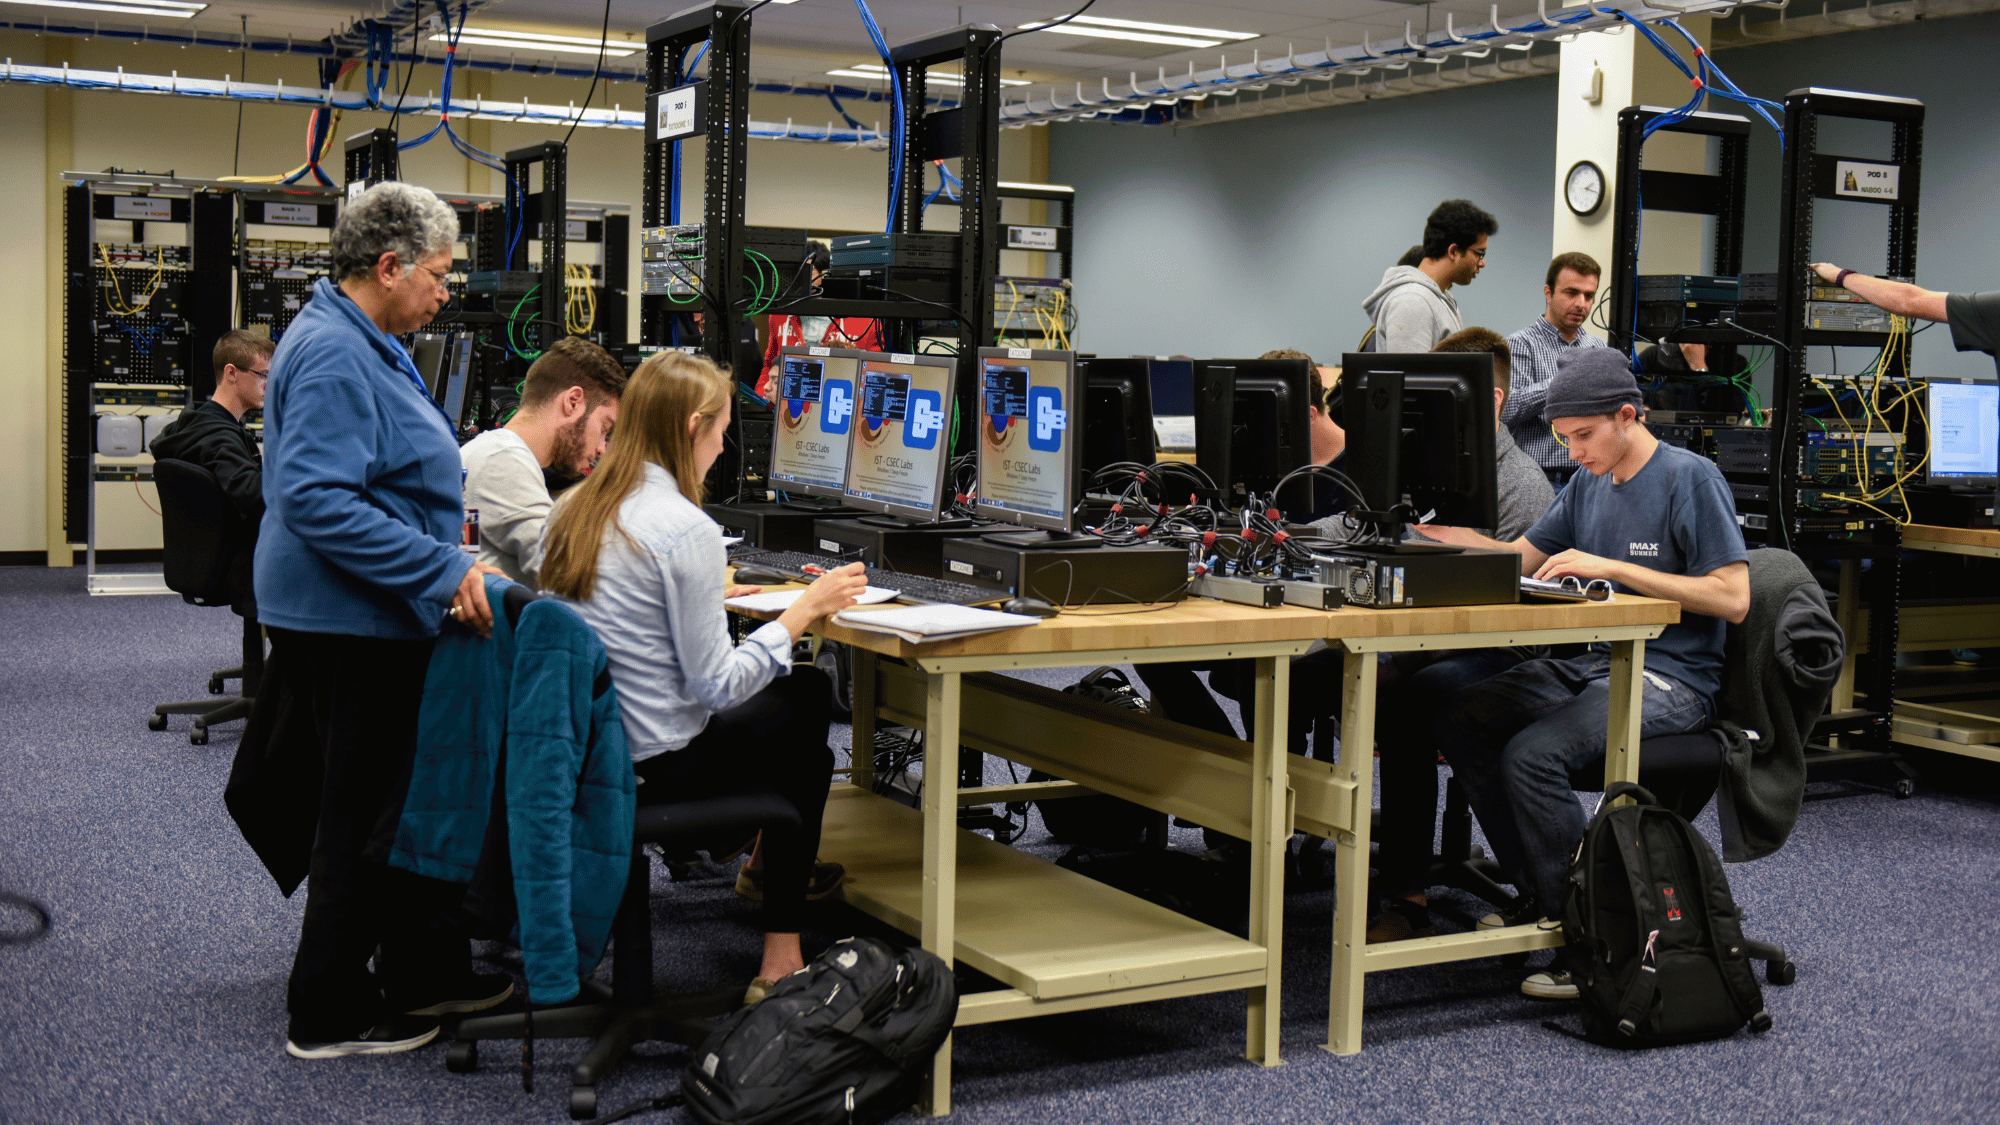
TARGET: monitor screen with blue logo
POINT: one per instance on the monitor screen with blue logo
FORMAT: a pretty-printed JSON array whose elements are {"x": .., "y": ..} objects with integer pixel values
[
  {"x": 1965, "y": 434},
  {"x": 819, "y": 399},
  {"x": 902, "y": 434},
  {"x": 1029, "y": 432}
]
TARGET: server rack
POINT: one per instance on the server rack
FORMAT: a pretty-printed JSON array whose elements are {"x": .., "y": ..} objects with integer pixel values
[
  {"x": 1866, "y": 543},
  {"x": 136, "y": 326},
  {"x": 1639, "y": 189},
  {"x": 371, "y": 158},
  {"x": 275, "y": 276}
]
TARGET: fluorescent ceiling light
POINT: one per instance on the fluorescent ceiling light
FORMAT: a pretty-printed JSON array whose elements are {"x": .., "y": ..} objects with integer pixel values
[
  {"x": 1138, "y": 31},
  {"x": 170, "y": 9},
  {"x": 881, "y": 73},
  {"x": 1168, "y": 28},
  {"x": 527, "y": 41}
]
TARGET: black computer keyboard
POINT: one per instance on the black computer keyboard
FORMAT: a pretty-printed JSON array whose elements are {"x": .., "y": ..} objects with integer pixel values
[{"x": 916, "y": 588}]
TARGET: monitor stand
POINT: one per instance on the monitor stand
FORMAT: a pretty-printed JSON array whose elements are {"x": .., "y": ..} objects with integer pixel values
[
  {"x": 818, "y": 506},
  {"x": 898, "y": 523},
  {"x": 1042, "y": 540}
]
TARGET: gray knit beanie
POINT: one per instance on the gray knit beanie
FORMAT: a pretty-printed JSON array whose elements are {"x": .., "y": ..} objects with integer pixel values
[{"x": 1588, "y": 382}]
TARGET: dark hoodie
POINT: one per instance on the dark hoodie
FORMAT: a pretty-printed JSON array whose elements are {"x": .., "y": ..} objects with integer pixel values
[{"x": 211, "y": 437}]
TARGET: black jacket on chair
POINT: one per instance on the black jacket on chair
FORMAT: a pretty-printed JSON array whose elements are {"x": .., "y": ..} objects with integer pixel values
[{"x": 1781, "y": 664}]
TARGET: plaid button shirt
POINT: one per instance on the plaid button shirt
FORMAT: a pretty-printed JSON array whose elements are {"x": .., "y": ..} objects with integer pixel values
[{"x": 1533, "y": 351}]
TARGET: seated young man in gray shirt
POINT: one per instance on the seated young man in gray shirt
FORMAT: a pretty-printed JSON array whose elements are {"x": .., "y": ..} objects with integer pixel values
[
  {"x": 1653, "y": 519},
  {"x": 568, "y": 406}
]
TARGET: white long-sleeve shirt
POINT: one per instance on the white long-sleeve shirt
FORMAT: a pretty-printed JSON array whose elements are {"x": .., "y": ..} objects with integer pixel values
[{"x": 658, "y": 609}]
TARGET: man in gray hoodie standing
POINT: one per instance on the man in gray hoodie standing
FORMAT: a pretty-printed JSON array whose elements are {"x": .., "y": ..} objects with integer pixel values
[{"x": 1413, "y": 308}]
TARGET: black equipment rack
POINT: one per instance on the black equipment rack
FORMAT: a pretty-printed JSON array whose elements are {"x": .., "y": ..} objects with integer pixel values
[
  {"x": 1809, "y": 176},
  {"x": 1720, "y": 195}
]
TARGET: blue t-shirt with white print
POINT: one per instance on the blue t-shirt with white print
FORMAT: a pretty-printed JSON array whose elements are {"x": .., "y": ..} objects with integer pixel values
[{"x": 1674, "y": 515}]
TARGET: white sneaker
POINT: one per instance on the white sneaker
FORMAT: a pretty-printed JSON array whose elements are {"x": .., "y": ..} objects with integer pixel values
[
  {"x": 1549, "y": 984},
  {"x": 1501, "y": 922}
]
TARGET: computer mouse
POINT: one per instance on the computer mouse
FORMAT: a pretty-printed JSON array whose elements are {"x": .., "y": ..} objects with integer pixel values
[
  {"x": 1031, "y": 607},
  {"x": 760, "y": 576}
]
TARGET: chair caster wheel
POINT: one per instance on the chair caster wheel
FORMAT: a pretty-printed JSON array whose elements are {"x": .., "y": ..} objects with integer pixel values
[
  {"x": 1904, "y": 789},
  {"x": 156, "y": 722},
  {"x": 1781, "y": 972},
  {"x": 198, "y": 736},
  {"x": 216, "y": 685},
  {"x": 462, "y": 1057},
  {"x": 582, "y": 1103}
]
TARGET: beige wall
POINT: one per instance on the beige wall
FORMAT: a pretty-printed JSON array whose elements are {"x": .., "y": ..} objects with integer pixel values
[{"x": 44, "y": 132}]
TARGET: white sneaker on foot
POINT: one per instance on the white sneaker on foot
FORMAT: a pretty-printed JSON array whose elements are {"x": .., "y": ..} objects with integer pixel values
[{"x": 1549, "y": 984}]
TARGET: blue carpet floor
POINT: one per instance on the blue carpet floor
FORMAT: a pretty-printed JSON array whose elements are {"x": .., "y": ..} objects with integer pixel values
[{"x": 158, "y": 993}]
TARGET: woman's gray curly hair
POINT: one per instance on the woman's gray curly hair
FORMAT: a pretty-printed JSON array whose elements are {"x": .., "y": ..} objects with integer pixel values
[{"x": 410, "y": 221}]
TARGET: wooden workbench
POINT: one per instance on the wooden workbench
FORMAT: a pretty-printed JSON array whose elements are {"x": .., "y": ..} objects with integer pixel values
[{"x": 1062, "y": 942}]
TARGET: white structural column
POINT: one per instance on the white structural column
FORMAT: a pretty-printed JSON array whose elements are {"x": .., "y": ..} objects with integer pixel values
[{"x": 1602, "y": 73}]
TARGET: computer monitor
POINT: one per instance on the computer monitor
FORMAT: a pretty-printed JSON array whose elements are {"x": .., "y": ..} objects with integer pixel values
[
  {"x": 818, "y": 399},
  {"x": 1965, "y": 434},
  {"x": 1420, "y": 431},
  {"x": 458, "y": 351},
  {"x": 427, "y": 351},
  {"x": 1172, "y": 385},
  {"x": 1253, "y": 425},
  {"x": 1029, "y": 445},
  {"x": 1117, "y": 413},
  {"x": 902, "y": 439}
]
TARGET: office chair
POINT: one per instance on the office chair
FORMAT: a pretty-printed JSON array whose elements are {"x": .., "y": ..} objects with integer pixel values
[
  {"x": 630, "y": 1012},
  {"x": 207, "y": 554}
]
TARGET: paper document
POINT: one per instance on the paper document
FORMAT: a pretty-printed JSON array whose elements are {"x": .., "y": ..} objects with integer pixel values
[
  {"x": 1174, "y": 432},
  {"x": 920, "y": 623},
  {"x": 778, "y": 601}
]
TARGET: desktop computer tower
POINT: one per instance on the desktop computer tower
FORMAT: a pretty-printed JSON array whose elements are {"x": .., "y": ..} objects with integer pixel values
[
  {"x": 1072, "y": 576},
  {"x": 773, "y": 527},
  {"x": 913, "y": 549},
  {"x": 1950, "y": 507},
  {"x": 1413, "y": 577}
]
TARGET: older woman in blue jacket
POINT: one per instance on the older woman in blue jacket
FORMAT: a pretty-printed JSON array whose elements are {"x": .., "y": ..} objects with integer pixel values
[{"x": 357, "y": 567}]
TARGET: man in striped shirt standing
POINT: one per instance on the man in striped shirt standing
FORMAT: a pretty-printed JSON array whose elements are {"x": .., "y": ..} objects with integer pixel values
[{"x": 1570, "y": 290}]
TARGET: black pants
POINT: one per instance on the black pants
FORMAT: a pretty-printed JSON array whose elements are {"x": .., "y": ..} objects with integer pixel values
[
  {"x": 774, "y": 740},
  {"x": 365, "y": 692},
  {"x": 1178, "y": 694}
]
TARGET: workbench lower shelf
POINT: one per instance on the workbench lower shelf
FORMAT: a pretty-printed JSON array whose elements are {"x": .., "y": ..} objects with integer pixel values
[{"x": 1059, "y": 940}]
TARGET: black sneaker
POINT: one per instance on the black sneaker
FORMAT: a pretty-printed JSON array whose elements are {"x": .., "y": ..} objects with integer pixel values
[
  {"x": 1550, "y": 984},
  {"x": 826, "y": 878},
  {"x": 398, "y": 1033},
  {"x": 474, "y": 992}
]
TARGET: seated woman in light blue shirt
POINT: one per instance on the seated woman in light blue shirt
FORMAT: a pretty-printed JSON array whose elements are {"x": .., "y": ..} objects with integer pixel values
[{"x": 644, "y": 565}]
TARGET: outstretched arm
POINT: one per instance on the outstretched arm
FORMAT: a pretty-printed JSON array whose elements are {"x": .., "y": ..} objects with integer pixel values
[{"x": 1897, "y": 297}]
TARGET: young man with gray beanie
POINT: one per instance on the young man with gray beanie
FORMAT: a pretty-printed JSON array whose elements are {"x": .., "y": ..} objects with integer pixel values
[{"x": 1654, "y": 520}]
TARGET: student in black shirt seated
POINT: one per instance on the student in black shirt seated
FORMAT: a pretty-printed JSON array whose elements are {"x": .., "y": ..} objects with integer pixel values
[{"x": 213, "y": 436}]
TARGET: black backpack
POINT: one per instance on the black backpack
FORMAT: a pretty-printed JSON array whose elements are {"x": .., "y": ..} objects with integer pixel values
[
  {"x": 848, "y": 1038},
  {"x": 1098, "y": 821},
  {"x": 1656, "y": 943}
]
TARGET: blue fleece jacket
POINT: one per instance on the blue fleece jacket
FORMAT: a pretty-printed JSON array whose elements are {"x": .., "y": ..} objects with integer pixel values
[
  {"x": 363, "y": 504},
  {"x": 534, "y": 705}
]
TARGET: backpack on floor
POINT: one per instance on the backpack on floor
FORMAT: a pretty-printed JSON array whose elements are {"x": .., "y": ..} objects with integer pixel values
[
  {"x": 1656, "y": 942},
  {"x": 849, "y": 1038},
  {"x": 1098, "y": 821}
]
